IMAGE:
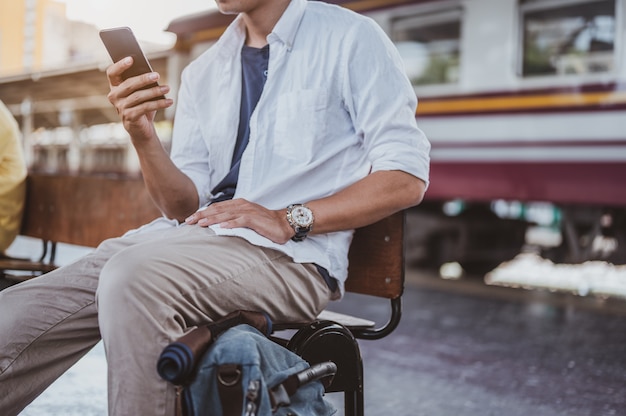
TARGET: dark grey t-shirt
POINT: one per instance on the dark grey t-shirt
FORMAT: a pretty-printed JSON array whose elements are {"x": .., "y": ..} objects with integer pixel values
[{"x": 254, "y": 63}]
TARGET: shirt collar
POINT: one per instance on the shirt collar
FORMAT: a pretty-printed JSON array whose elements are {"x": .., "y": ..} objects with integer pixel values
[
  {"x": 284, "y": 31},
  {"x": 286, "y": 28},
  {"x": 232, "y": 39}
]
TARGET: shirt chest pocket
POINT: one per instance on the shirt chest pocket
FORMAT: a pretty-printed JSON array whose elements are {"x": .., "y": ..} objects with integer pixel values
[{"x": 301, "y": 123}]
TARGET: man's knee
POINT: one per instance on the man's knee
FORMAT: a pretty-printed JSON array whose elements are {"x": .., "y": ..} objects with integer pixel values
[{"x": 121, "y": 277}]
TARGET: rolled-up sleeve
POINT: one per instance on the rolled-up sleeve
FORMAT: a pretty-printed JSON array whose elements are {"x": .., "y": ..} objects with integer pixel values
[{"x": 382, "y": 104}]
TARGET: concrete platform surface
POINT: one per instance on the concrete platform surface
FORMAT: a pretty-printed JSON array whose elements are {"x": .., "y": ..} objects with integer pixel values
[
  {"x": 484, "y": 354},
  {"x": 462, "y": 348},
  {"x": 453, "y": 354}
]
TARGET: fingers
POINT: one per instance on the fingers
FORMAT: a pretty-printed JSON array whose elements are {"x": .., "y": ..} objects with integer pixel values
[
  {"x": 137, "y": 90},
  {"x": 138, "y": 95},
  {"x": 230, "y": 214},
  {"x": 114, "y": 72},
  {"x": 141, "y": 101},
  {"x": 219, "y": 213}
]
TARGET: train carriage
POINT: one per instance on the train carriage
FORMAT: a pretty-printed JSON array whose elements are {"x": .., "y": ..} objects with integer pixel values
[{"x": 523, "y": 101}]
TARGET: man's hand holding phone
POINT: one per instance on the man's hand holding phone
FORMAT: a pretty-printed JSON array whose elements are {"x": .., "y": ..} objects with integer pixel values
[
  {"x": 136, "y": 99},
  {"x": 135, "y": 92}
]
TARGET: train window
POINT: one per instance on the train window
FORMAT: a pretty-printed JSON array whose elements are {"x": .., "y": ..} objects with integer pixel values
[
  {"x": 430, "y": 46},
  {"x": 577, "y": 37}
]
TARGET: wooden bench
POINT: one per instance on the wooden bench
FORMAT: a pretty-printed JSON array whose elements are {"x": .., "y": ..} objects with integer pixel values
[
  {"x": 78, "y": 209},
  {"x": 84, "y": 210}
]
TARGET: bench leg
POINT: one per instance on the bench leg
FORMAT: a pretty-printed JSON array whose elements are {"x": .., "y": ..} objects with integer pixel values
[
  {"x": 353, "y": 402},
  {"x": 330, "y": 341}
]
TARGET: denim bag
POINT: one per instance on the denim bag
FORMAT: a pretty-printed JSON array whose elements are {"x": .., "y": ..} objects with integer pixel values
[{"x": 245, "y": 373}]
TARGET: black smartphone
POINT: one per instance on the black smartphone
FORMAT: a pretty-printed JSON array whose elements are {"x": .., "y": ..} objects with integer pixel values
[{"x": 120, "y": 42}]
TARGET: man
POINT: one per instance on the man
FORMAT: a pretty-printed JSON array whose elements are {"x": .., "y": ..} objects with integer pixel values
[
  {"x": 333, "y": 128},
  {"x": 12, "y": 179}
]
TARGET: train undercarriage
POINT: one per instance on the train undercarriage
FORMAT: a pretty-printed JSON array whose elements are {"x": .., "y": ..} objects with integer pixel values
[{"x": 479, "y": 239}]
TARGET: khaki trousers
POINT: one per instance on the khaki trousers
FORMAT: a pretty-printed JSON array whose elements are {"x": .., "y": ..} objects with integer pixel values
[{"x": 139, "y": 293}]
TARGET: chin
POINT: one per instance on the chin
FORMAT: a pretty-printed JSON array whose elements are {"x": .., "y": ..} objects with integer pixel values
[{"x": 227, "y": 6}]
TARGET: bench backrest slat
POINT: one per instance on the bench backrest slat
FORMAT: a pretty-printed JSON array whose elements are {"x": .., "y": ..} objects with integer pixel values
[
  {"x": 377, "y": 259},
  {"x": 84, "y": 210}
]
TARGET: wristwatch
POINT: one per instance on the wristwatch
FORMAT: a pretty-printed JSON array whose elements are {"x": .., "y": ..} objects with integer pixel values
[{"x": 300, "y": 217}]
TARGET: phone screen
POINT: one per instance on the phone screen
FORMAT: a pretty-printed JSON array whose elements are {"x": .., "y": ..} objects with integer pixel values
[{"x": 120, "y": 42}]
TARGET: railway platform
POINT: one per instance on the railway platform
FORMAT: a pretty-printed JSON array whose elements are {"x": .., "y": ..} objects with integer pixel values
[{"x": 462, "y": 348}]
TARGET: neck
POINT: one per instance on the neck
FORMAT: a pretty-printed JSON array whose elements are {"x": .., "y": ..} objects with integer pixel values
[{"x": 260, "y": 21}]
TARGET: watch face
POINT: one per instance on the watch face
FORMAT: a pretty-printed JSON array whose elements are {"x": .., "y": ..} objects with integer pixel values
[{"x": 302, "y": 216}]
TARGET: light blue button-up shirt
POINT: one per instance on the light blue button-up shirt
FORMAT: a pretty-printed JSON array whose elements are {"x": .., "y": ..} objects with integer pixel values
[{"x": 336, "y": 106}]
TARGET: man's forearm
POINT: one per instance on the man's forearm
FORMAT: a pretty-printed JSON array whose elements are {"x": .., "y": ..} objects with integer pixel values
[
  {"x": 373, "y": 198},
  {"x": 137, "y": 100},
  {"x": 171, "y": 190}
]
